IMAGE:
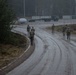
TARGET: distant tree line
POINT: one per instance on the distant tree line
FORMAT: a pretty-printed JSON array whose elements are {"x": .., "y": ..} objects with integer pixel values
[
  {"x": 64, "y": 7},
  {"x": 43, "y": 7},
  {"x": 6, "y": 17}
]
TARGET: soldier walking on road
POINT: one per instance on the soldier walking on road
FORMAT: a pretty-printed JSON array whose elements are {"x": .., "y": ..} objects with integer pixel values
[
  {"x": 32, "y": 33},
  {"x": 28, "y": 28},
  {"x": 68, "y": 32},
  {"x": 53, "y": 27},
  {"x": 32, "y": 29},
  {"x": 64, "y": 30}
]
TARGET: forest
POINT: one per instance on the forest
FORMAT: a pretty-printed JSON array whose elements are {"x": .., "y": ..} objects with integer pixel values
[{"x": 43, "y": 7}]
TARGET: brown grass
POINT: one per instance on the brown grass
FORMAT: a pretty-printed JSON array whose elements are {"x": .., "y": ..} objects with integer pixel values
[
  {"x": 9, "y": 52},
  {"x": 59, "y": 28}
]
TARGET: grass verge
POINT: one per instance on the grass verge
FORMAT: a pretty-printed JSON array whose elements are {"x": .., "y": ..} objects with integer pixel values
[
  {"x": 59, "y": 28},
  {"x": 12, "y": 50}
]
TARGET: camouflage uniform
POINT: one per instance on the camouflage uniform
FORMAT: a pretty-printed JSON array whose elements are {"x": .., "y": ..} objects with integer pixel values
[
  {"x": 32, "y": 33},
  {"x": 28, "y": 28},
  {"x": 68, "y": 33}
]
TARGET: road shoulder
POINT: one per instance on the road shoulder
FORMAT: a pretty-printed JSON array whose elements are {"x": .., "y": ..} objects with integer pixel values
[{"x": 27, "y": 53}]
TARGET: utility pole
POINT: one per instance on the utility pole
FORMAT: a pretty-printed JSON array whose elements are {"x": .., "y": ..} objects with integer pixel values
[{"x": 24, "y": 7}]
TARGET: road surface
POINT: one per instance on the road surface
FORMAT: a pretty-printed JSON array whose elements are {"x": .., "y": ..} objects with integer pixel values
[{"x": 53, "y": 55}]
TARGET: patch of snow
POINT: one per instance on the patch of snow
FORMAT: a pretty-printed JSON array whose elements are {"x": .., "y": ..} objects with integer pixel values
[{"x": 74, "y": 43}]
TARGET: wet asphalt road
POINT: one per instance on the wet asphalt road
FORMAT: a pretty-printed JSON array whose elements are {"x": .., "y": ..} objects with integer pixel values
[{"x": 53, "y": 55}]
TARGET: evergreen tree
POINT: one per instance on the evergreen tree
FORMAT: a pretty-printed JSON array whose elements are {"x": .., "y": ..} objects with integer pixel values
[{"x": 6, "y": 17}]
